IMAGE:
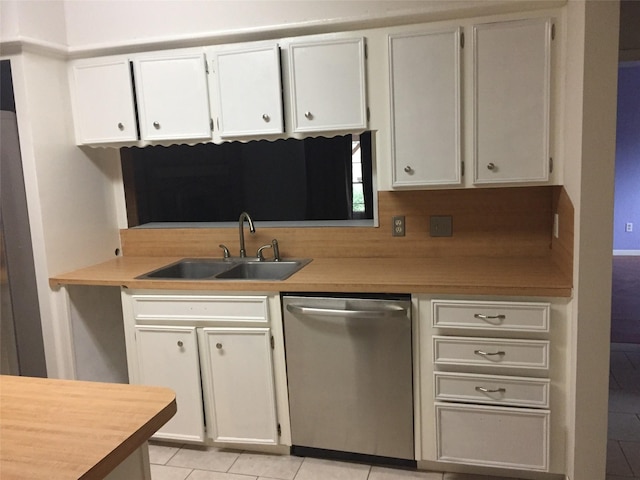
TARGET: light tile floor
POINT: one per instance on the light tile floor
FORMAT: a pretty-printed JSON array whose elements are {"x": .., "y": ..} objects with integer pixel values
[
  {"x": 199, "y": 463},
  {"x": 623, "y": 448},
  {"x": 209, "y": 463}
]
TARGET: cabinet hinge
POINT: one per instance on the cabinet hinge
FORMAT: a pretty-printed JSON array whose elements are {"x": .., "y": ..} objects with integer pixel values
[
  {"x": 218, "y": 123},
  {"x": 211, "y": 124},
  {"x": 553, "y": 31},
  {"x": 368, "y": 114},
  {"x": 279, "y": 430},
  {"x": 462, "y": 168},
  {"x": 550, "y": 164},
  {"x": 206, "y": 66},
  {"x": 366, "y": 51},
  {"x": 273, "y": 343},
  {"x": 461, "y": 39}
]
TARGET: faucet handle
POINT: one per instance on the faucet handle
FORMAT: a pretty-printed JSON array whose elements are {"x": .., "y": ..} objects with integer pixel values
[
  {"x": 225, "y": 250},
  {"x": 276, "y": 250},
  {"x": 260, "y": 255}
]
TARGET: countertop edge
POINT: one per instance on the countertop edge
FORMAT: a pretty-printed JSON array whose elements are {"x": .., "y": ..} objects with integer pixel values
[{"x": 512, "y": 276}]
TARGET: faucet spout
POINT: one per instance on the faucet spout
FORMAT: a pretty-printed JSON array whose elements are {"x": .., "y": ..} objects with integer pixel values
[{"x": 244, "y": 216}]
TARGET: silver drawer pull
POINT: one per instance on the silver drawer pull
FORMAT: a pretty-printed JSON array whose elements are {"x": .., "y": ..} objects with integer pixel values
[
  {"x": 488, "y": 318},
  {"x": 488, "y": 354},
  {"x": 489, "y": 390}
]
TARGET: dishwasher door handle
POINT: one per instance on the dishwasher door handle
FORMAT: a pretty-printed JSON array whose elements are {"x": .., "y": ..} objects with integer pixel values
[{"x": 387, "y": 312}]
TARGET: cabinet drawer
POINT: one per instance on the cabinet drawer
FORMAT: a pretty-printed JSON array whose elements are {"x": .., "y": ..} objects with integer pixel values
[
  {"x": 501, "y": 353},
  {"x": 492, "y": 389},
  {"x": 493, "y": 436},
  {"x": 509, "y": 316},
  {"x": 201, "y": 308}
]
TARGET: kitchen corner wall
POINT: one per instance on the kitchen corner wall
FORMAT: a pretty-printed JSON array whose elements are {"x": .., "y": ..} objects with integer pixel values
[{"x": 486, "y": 222}]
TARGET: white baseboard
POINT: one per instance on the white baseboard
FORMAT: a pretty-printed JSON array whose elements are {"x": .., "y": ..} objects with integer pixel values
[{"x": 627, "y": 253}]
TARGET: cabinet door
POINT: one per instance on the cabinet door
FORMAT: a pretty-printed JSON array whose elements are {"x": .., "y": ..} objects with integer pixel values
[
  {"x": 425, "y": 108},
  {"x": 102, "y": 99},
  {"x": 249, "y": 91},
  {"x": 237, "y": 375},
  {"x": 168, "y": 357},
  {"x": 493, "y": 436},
  {"x": 511, "y": 101},
  {"x": 173, "y": 99},
  {"x": 327, "y": 85}
]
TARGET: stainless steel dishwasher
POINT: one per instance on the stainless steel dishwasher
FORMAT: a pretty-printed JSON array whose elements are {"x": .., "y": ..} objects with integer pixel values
[{"x": 349, "y": 371}]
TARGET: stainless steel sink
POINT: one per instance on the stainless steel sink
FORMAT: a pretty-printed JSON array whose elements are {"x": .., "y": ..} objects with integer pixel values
[
  {"x": 227, "y": 269},
  {"x": 263, "y": 270},
  {"x": 191, "y": 268}
]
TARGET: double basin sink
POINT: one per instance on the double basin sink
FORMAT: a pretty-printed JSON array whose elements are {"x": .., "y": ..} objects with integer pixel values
[{"x": 227, "y": 269}]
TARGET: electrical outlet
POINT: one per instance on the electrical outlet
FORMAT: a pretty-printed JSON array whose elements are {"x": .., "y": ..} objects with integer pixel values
[
  {"x": 441, "y": 226},
  {"x": 398, "y": 226},
  {"x": 628, "y": 227}
]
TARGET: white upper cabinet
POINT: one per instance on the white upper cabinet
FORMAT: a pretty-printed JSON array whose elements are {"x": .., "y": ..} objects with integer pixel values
[
  {"x": 102, "y": 100},
  {"x": 327, "y": 85},
  {"x": 173, "y": 99},
  {"x": 425, "y": 125},
  {"x": 249, "y": 91},
  {"x": 511, "y": 99}
]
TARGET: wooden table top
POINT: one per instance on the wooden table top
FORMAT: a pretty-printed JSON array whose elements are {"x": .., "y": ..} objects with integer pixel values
[
  {"x": 526, "y": 276},
  {"x": 63, "y": 429}
]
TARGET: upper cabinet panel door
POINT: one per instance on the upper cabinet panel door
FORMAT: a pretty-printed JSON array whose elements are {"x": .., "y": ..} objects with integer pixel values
[
  {"x": 511, "y": 68},
  {"x": 249, "y": 91},
  {"x": 425, "y": 108},
  {"x": 173, "y": 99},
  {"x": 102, "y": 99},
  {"x": 327, "y": 85}
]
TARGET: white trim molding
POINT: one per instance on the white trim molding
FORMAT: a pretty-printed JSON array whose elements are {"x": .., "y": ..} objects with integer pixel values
[{"x": 626, "y": 253}]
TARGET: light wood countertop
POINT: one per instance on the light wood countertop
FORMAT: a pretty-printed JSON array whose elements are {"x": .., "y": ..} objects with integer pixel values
[
  {"x": 62, "y": 429},
  {"x": 526, "y": 276}
]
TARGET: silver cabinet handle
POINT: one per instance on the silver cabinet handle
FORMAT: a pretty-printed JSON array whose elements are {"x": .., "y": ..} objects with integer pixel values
[
  {"x": 491, "y": 390},
  {"x": 156, "y": 125},
  {"x": 491, "y": 166},
  {"x": 120, "y": 126},
  {"x": 308, "y": 115},
  {"x": 390, "y": 311},
  {"x": 180, "y": 344},
  {"x": 218, "y": 346},
  {"x": 408, "y": 169},
  {"x": 489, "y": 318},
  {"x": 488, "y": 354},
  {"x": 266, "y": 117}
]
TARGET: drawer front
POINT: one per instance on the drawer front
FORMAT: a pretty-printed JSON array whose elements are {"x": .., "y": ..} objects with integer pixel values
[
  {"x": 501, "y": 353},
  {"x": 492, "y": 389},
  {"x": 493, "y": 436},
  {"x": 503, "y": 316},
  {"x": 201, "y": 308}
]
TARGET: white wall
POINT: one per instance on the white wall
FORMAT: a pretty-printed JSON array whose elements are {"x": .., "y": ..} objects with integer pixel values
[
  {"x": 95, "y": 24},
  {"x": 589, "y": 167},
  {"x": 39, "y": 20}
]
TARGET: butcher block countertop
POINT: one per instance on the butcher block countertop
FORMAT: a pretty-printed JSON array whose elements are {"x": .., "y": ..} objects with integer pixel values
[
  {"x": 526, "y": 276},
  {"x": 62, "y": 429}
]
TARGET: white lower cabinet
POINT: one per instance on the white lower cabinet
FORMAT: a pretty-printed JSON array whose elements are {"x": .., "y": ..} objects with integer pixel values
[
  {"x": 237, "y": 375},
  {"x": 488, "y": 382},
  {"x": 168, "y": 356},
  {"x": 216, "y": 353}
]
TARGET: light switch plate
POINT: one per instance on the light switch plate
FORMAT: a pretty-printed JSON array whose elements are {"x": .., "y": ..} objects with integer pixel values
[{"x": 441, "y": 226}]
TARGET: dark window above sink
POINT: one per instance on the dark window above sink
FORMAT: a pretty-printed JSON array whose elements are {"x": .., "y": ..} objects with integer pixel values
[{"x": 278, "y": 181}]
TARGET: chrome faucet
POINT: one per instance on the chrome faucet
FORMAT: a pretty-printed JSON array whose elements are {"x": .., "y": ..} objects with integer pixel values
[{"x": 244, "y": 216}]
